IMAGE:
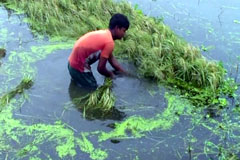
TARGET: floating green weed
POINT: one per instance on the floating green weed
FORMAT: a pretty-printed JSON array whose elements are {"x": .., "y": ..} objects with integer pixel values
[
  {"x": 47, "y": 49},
  {"x": 206, "y": 49},
  {"x": 236, "y": 21},
  {"x": 61, "y": 137},
  {"x": 26, "y": 83},
  {"x": 137, "y": 126},
  {"x": 87, "y": 146}
]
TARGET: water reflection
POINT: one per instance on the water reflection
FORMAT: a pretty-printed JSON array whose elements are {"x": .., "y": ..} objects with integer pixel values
[{"x": 76, "y": 93}]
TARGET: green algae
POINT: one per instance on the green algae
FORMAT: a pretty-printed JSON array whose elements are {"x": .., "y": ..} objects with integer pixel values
[
  {"x": 26, "y": 83},
  {"x": 4, "y": 34},
  {"x": 38, "y": 134},
  {"x": 87, "y": 146},
  {"x": 137, "y": 125},
  {"x": 206, "y": 48},
  {"x": 25, "y": 59},
  {"x": 236, "y": 21},
  {"x": 47, "y": 49}
]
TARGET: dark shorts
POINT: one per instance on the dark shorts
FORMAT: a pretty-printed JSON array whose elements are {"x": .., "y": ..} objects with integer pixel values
[{"x": 84, "y": 79}]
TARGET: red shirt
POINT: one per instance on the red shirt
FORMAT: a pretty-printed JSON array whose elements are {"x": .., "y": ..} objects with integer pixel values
[{"x": 90, "y": 45}]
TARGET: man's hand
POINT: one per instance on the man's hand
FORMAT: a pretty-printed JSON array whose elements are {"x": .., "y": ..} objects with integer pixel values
[
  {"x": 120, "y": 73},
  {"x": 112, "y": 75}
]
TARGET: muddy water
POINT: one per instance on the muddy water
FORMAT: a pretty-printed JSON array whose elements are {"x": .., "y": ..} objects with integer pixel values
[{"x": 50, "y": 98}]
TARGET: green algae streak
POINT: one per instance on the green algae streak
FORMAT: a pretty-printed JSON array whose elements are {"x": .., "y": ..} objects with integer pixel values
[
  {"x": 38, "y": 134},
  {"x": 138, "y": 126},
  {"x": 26, "y": 83},
  {"x": 47, "y": 49},
  {"x": 87, "y": 146}
]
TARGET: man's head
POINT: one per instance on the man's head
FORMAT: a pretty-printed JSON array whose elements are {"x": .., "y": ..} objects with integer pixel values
[{"x": 118, "y": 25}]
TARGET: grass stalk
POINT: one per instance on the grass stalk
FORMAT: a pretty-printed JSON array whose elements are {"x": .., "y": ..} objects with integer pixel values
[{"x": 26, "y": 83}]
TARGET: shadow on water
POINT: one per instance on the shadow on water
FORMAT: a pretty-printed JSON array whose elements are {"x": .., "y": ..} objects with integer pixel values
[
  {"x": 76, "y": 93},
  {"x": 2, "y": 53}
]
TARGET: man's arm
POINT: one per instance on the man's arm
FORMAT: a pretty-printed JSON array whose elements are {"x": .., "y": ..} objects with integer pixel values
[
  {"x": 114, "y": 63},
  {"x": 102, "y": 67}
]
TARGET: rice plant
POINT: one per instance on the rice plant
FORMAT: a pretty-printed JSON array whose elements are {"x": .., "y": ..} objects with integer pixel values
[
  {"x": 100, "y": 102},
  {"x": 26, "y": 83}
]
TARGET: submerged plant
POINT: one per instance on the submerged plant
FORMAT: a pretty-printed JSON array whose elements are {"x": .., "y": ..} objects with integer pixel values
[
  {"x": 99, "y": 102},
  {"x": 26, "y": 83}
]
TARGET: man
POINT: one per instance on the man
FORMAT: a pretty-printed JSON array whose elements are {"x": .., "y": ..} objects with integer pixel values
[{"x": 97, "y": 45}]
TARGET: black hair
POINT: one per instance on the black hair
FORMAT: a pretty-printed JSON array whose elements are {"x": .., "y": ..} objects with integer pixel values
[{"x": 119, "y": 20}]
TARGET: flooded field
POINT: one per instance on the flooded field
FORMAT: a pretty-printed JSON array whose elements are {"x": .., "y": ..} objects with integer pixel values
[{"x": 43, "y": 122}]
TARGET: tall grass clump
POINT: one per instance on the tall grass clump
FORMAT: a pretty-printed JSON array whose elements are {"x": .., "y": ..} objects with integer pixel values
[{"x": 154, "y": 48}]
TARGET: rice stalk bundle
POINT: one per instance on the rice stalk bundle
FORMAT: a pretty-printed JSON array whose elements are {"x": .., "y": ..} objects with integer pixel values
[{"x": 102, "y": 100}]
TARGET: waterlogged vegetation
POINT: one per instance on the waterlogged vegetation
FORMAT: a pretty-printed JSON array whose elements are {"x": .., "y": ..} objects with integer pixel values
[
  {"x": 59, "y": 137},
  {"x": 198, "y": 93},
  {"x": 26, "y": 83},
  {"x": 99, "y": 102}
]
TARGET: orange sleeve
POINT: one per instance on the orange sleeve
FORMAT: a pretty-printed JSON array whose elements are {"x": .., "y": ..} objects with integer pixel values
[{"x": 107, "y": 50}]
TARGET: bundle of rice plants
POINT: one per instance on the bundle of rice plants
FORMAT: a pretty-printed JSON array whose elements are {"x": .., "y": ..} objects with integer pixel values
[{"x": 100, "y": 102}]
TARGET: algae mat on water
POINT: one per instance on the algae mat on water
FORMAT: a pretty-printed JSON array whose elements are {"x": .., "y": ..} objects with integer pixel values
[{"x": 64, "y": 142}]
